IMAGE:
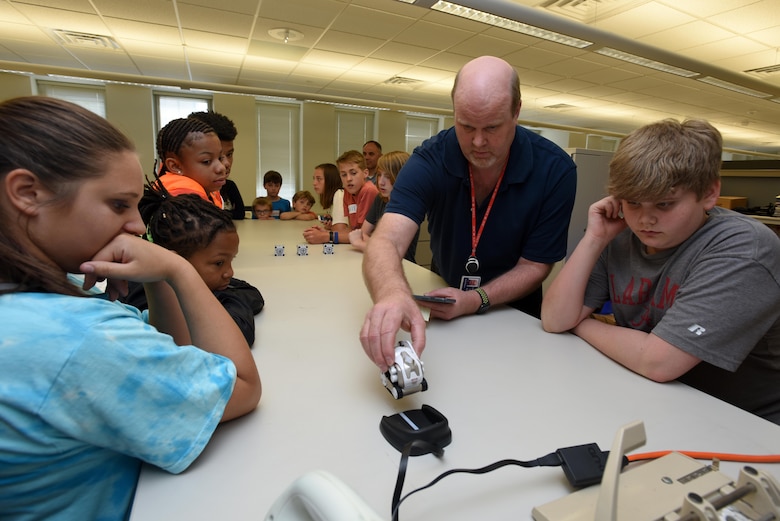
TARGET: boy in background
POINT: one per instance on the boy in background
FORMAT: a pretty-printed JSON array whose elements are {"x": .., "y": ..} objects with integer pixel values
[
  {"x": 674, "y": 265},
  {"x": 302, "y": 203},
  {"x": 358, "y": 194},
  {"x": 272, "y": 182},
  {"x": 261, "y": 209}
]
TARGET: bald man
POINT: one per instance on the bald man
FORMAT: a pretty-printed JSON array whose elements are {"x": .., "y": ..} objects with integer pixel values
[{"x": 498, "y": 198}]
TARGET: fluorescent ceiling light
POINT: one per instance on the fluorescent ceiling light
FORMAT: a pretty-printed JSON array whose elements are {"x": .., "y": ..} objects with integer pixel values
[
  {"x": 506, "y": 23},
  {"x": 345, "y": 105},
  {"x": 645, "y": 62},
  {"x": 733, "y": 87}
]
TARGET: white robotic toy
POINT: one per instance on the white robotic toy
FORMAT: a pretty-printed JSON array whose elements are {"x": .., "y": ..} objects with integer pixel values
[{"x": 405, "y": 376}]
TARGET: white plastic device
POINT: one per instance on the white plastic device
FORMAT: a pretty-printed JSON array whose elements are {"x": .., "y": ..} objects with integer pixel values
[
  {"x": 672, "y": 488},
  {"x": 320, "y": 496}
]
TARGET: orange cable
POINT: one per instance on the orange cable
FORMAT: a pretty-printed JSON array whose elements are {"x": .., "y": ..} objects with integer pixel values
[{"x": 723, "y": 456}]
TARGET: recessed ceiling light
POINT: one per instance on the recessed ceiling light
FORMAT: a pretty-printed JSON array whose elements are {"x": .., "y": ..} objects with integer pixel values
[
  {"x": 769, "y": 69},
  {"x": 285, "y": 34},
  {"x": 723, "y": 84},
  {"x": 645, "y": 62},
  {"x": 506, "y": 23}
]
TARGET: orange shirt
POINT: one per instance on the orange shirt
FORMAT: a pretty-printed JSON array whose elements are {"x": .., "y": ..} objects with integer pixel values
[
  {"x": 177, "y": 184},
  {"x": 356, "y": 206}
]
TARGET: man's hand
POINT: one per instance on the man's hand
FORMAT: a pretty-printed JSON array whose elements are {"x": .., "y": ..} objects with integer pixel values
[
  {"x": 466, "y": 303},
  {"x": 383, "y": 320}
]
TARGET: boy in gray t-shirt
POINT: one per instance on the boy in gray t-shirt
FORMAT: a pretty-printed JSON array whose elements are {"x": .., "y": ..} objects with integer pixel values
[{"x": 695, "y": 289}]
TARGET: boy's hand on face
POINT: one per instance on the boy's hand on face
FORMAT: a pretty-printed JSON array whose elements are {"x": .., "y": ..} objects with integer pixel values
[{"x": 605, "y": 220}]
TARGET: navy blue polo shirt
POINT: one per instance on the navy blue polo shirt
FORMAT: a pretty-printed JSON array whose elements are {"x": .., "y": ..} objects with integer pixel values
[{"x": 529, "y": 218}]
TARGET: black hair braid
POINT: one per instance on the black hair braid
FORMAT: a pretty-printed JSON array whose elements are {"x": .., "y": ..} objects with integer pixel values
[
  {"x": 173, "y": 135},
  {"x": 185, "y": 223}
]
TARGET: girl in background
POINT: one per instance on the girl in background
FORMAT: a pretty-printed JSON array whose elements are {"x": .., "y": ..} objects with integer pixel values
[
  {"x": 90, "y": 388},
  {"x": 191, "y": 162},
  {"x": 206, "y": 236},
  {"x": 327, "y": 184},
  {"x": 387, "y": 170}
]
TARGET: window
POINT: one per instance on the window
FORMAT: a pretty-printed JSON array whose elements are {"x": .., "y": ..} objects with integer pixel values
[
  {"x": 279, "y": 131},
  {"x": 353, "y": 129},
  {"x": 90, "y": 97},
  {"x": 172, "y": 107},
  {"x": 418, "y": 129}
]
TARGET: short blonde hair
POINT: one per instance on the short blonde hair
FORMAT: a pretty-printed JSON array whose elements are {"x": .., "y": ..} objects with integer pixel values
[
  {"x": 304, "y": 194},
  {"x": 352, "y": 156},
  {"x": 666, "y": 155},
  {"x": 261, "y": 201}
]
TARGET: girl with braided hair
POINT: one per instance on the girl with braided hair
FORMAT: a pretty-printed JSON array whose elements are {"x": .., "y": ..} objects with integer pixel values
[
  {"x": 206, "y": 236},
  {"x": 190, "y": 159},
  {"x": 90, "y": 388}
]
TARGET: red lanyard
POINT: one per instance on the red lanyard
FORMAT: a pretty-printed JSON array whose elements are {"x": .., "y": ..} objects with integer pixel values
[{"x": 476, "y": 234}]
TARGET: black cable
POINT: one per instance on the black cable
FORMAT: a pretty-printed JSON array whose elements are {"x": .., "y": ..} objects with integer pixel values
[{"x": 550, "y": 460}]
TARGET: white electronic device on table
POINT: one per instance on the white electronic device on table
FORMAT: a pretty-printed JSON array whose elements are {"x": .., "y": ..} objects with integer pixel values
[{"x": 671, "y": 488}]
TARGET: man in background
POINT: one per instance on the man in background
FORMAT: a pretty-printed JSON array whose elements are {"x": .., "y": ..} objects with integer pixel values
[{"x": 372, "y": 151}]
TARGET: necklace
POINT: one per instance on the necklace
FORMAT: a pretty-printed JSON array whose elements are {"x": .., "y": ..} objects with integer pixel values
[{"x": 472, "y": 263}]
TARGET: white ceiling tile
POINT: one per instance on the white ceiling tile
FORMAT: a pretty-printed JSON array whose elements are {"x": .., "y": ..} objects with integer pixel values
[
  {"x": 769, "y": 37},
  {"x": 316, "y": 13},
  {"x": 159, "y": 12},
  {"x": 235, "y": 6},
  {"x": 645, "y": 19},
  {"x": 370, "y": 22},
  {"x": 46, "y": 17},
  {"x": 212, "y": 41},
  {"x": 482, "y": 44},
  {"x": 143, "y": 48},
  {"x": 447, "y": 61},
  {"x": 403, "y": 53},
  {"x": 162, "y": 67},
  {"x": 215, "y": 20},
  {"x": 362, "y": 78},
  {"x": 428, "y": 74},
  {"x": 151, "y": 33},
  {"x": 348, "y": 43},
  {"x": 206, "y": 57},
  {"x": 427, "y": 34},
  {"x": 687, "y": 35},
  {"x": 8, "y": 14},
  {"x": 259, "y": 63},
  {"x": 755, "y": 16},
  {"x": 333, "y": 59},
  {"x": 714, "y": 52},
  {"x": 534, "y": 58},
  {"x": 703, "y": 8},
  {"x": 277, "y": 51},
  {"x": 385, "y": 67}
]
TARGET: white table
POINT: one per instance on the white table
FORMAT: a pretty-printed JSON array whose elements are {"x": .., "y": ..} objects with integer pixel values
[{"x": 509, "y": 390}]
